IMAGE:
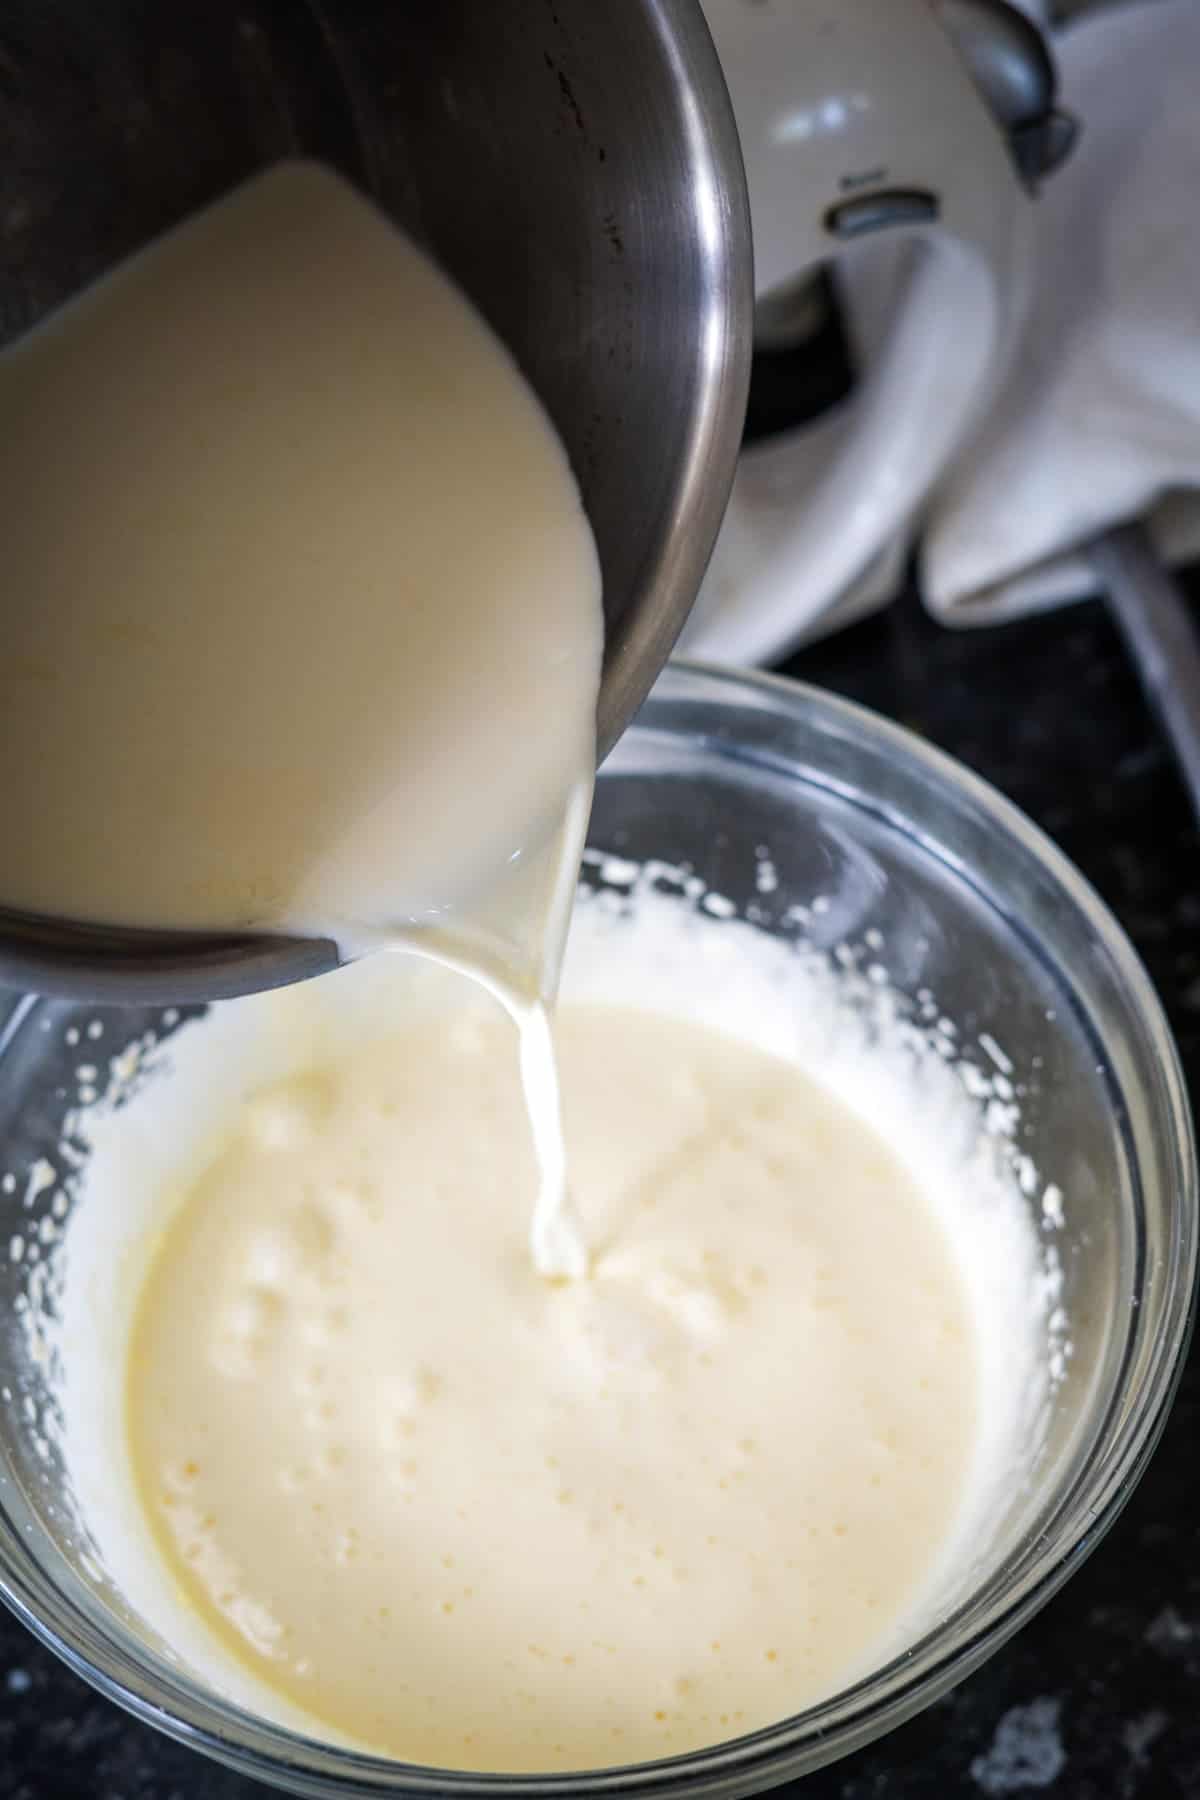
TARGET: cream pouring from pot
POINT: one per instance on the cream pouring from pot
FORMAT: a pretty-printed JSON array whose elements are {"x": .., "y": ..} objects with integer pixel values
[
  {"x": 175, "y": 533},
  {"x": 347, "y": 688}
]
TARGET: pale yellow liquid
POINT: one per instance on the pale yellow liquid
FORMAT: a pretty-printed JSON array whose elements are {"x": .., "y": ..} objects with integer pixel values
[
  {"x": 464, "y": 1516},
  {"x": 302, "y": 624}
]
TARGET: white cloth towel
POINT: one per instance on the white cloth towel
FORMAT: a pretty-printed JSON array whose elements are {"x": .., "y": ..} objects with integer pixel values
[{"x": 1099, "y": 419}]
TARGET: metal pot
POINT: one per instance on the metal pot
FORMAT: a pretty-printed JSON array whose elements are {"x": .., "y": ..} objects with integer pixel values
[{"x": 575, "y": 168}]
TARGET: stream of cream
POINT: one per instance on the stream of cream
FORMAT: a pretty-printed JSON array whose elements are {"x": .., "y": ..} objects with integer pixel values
[{"x": 305, "y": 619}]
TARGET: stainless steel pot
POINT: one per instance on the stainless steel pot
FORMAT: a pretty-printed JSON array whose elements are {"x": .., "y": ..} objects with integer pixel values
[{"x": 574, "y": 166}]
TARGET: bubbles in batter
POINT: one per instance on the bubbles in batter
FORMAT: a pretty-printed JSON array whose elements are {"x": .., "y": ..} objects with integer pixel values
[{"x": 469, "y": 1518}]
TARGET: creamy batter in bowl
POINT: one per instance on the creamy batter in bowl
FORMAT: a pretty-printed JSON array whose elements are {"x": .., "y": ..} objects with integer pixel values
[{"x": 925, "y": 896}]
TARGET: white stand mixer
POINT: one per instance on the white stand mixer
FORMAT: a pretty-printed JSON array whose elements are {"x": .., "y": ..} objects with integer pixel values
[{"x": 898, "y": 140}]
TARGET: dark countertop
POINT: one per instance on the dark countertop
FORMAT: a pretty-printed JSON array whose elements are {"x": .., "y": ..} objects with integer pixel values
[{"x": 1099, "y": 1698}]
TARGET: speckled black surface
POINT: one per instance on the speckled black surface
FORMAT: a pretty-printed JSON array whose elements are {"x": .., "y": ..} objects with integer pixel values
[{"x": 1098, "y": 1699}]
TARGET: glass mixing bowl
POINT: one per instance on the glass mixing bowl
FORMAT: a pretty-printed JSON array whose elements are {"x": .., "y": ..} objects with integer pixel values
[{"x": 873, "y": 846}]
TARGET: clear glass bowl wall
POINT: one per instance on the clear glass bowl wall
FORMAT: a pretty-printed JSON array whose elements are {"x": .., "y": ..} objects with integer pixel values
[{"x": 974, "y": 908}]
